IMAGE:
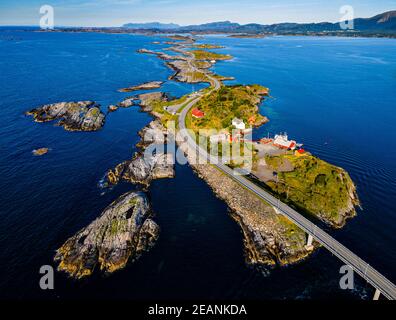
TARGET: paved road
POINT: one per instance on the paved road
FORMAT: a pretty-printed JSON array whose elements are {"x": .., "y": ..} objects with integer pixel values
[
  {"x": 378, "y": 281},
  {"x": 215, "y": 83}
]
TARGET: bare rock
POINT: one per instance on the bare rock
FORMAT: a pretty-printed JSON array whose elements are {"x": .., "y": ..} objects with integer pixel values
[
  {"x": 143, "y": 169},
  {"x": 144, "y": 86},
  {"x": 122, "y": 232},
  {"x": 146, "y": 99},
  {"x": 73, "y": 116},
  {"x": 112, "y": 108},
  {"x": 40, "y": 151}
]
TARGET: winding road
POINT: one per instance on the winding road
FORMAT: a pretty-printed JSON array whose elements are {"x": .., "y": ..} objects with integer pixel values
[{"x": 372, "y": 276}]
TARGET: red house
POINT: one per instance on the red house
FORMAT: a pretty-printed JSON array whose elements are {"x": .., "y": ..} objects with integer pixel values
[{"x": 196, "y": 113}]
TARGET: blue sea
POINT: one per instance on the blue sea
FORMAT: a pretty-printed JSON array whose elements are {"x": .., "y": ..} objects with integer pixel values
[{"x": 335, "y": 95}]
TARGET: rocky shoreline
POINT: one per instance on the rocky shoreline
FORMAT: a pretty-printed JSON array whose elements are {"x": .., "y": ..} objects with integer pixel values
[
  {"x": 150, "y": 163},
  {"x": 121, "y": 234},
  {"x": 125, "y": 228},
  {"x": 72, "y": 116},
  {"x": 269, "y": 238},
  {"x": 144, "y": 86}
]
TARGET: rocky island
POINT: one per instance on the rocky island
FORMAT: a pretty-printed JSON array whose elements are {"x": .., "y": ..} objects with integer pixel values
[
  {"x": 312, "y": 185},
  {"x": 125, "y": 229},
  {"x": 270, "y": 238},
  {"x": 122, "y": 233},
  {"x": 40, "y": 151},
  {"x": 144, "y": 86},
  {"x": 73, "y": 116}
]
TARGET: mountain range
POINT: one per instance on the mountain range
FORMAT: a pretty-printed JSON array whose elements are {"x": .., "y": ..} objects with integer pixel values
[{"x": 383, "y": 23}]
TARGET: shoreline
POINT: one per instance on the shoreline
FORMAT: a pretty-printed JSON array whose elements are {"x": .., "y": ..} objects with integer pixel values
[
  {"x": 270, "y": 238},
  {"x": 338, "y": 34}
]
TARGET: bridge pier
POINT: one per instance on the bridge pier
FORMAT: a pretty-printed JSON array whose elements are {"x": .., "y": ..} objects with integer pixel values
[
  {"x": 309, "y": 246},
  {"x": 376, "y": 294}
]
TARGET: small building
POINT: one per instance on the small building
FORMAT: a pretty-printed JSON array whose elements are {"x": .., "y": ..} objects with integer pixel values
[
  {"x": 196, "y": 113},
  {"x": 238, "y": 124},
  {"x": 282, "y": 141},
  {"x": 252, "y": 120},
  {"x": 299, "y": 152}
]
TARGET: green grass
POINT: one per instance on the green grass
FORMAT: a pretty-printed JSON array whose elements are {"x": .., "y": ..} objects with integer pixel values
[
  {"x": 207, "y": 55},
  {"x": 208, "y": 46},
  {"x": 315, "y": 185},
  {"x": 221, "y": 106}
]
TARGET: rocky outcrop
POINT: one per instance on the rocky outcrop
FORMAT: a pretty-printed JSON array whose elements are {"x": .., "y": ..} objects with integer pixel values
[
  {"x": 128, "y": 102},
  {"x": 40, "y": 151},
  {"x": 121, "y": 234},
  {"x": 144, "y": 86},
  {"x": 154, "y": 132},
  {"x": 112, "y": 108},
  {"x": 143, "y": 169},
  {"x": 146, "y": 100},
  {"x": 73, "y": 116},
  {"x": 149, "y": 164}
]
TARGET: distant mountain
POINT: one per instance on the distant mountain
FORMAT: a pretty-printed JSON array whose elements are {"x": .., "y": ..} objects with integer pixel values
[
  {"x": 151, "y": 25},
  {"x": 384, "y": 22},
  {"x": 213, "y": 26}
]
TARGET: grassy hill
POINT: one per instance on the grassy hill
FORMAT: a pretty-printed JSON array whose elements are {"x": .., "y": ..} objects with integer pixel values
[
  {"x": 321, "y": 188},
  {"x": 221, "y": 106}
]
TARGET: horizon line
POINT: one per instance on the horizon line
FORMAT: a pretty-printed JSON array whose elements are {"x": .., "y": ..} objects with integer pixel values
[{"x": 180, "y": 25}]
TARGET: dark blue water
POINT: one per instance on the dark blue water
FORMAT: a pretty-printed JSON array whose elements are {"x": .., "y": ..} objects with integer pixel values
[{"x": 335, "y": 95}]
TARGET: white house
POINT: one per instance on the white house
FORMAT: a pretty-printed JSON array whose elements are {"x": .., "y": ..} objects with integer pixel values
[{"x": 238, "y": 124}]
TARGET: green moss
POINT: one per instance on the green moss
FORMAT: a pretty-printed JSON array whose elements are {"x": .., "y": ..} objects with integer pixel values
[
  {"x": 221, "y": 106},
  {"x": 207, "y": 55},
  {"x": 315, "y": 185},
  {"x": 208, "y": 46}
]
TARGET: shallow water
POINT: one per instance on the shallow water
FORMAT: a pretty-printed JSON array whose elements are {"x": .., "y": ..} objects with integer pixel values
[{"x": 334, "y": 95}]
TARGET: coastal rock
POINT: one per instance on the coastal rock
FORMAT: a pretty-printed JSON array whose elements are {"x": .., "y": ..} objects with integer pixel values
[
  {"x": 121, "y": 234},
  {"x": 144, "y": 86},
  {"x": 112, "y": 108},
  {"x": 40, "y": 151},
  {"x": 146, "y": 99},
  {"x": 154, "y": 132},
  {"x": 128, "y": 102},
  {"x": 270, "y": 238},
  {"x": 143, "y": 169},
  {"x": 73, "y": 116},
  {"x": 150, "y": 163}
]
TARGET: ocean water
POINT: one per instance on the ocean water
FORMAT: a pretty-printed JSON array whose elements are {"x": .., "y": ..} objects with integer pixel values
[{"x": 334, "y": 95}]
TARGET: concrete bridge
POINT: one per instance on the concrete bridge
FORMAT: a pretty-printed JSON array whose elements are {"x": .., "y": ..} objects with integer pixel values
[{"x": 372, "y": 276}]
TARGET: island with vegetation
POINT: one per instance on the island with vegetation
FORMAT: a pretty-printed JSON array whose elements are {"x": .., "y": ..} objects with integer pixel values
[
  {"x": 305, "y": 182},
  {"x": 125, "y": 228}
]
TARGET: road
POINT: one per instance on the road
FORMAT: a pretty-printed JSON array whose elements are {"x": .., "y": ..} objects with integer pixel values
[
  {"x": 173, "y": 109},
  {"x": 372, "y": 276}
]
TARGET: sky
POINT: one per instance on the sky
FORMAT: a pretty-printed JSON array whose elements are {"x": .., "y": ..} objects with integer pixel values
[{"x": 107, "y": 13}]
